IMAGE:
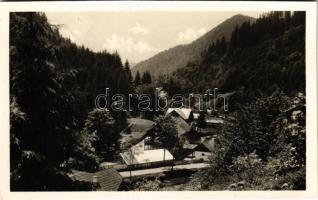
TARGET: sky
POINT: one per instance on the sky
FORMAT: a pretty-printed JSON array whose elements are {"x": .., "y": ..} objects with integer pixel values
[{"x": 137, "y": 35}]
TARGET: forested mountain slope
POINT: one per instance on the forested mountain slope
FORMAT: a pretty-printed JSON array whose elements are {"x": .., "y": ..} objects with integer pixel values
[
  {"x": 264, "y": 55},
  {"x": 53, "y": 124}
]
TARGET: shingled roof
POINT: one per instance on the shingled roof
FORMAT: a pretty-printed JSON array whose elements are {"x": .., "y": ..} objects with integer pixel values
[{"x": 108, "y": 179}]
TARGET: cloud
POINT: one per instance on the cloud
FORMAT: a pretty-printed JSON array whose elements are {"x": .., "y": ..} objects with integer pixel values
[
  {"x": 189, "y": 35},
  {"x": 138, "y": 29},
  {"x": 72, "y": 34},
  {"x": 126, "y": 45}
]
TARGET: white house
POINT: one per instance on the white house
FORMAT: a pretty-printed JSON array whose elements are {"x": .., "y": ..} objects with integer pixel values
[{"x": 138, "y": 156}]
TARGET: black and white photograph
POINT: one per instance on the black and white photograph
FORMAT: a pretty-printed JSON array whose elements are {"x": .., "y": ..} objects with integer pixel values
[{"x": 158, "y": 100}]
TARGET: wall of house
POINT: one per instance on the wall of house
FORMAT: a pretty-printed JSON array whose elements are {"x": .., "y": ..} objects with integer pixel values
[
  {"x": 200, "y": 155},
  {"x": 140, "y": 147}
]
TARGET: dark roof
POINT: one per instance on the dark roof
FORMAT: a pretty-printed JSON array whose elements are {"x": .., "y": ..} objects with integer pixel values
[
  {"x": 108, "y": 179},
  {"x": 135, "y": 132},
  {"x": 182, "y": 126},
  {"x": 209, "y": 143}
]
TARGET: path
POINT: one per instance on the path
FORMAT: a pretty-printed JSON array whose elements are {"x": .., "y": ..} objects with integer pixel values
[{"x": 126, "y": 174}]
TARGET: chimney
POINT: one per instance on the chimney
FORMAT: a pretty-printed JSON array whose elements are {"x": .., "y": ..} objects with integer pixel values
[
  {"x": 95, "y": 183},
  {"x": 95, "y": 179}
]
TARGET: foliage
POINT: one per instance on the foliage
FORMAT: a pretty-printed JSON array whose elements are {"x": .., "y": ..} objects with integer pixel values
[
  {"x": 148, "y": 185},
  {"x": 146, "y": 78},
  {"x": 201, "y": 122},
  {"x": 166, "y": 135},
  {"x": 53, "y": 84},
  {"x": 137, "y": 79},
  {"x": 246, "y": 167},
  {"x": 100, "y": 124},
  {"x": 263, "y": 55}
]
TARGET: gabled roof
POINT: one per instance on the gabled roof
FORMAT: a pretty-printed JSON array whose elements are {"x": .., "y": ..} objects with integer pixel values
[
  {"x": 136, "y": 130},
  {"x": 209, "y": 143},
  {"x": 146, "y": 156},
  {"x": 108, "y": 179},
  {"x": 185, "y": 113},
  {"x": 182, "y": 126}
]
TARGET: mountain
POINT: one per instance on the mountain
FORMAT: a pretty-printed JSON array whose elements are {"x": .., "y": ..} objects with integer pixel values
[
  {"x": 266, "y": 56},
  {"x": 177, "y": 57}
]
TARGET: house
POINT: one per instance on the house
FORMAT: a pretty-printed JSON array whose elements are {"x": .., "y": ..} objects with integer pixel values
[
  {"x": 201, "y": 151},
  {"x": 185, "y": 113},
  {"x": 147, "y": 158},
  {"x": 135, "y": 152},
  {"x": 183, "y": 118},
  {"x": 136, "y": 131},
  {"x": 104, "y": 180}
]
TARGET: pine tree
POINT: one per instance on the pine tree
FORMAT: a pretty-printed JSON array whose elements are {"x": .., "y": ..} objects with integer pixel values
[
  {"x": 201, "y": 122},
  {"x": 223, "y": 46},
  {"x": 146, "y": 78},
  {"x": 128, "y": 72},
  {"x": 137, "y": 79}
]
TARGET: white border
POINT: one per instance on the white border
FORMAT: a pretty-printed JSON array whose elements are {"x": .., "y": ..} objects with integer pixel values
[{"x": 311, "y": 93}]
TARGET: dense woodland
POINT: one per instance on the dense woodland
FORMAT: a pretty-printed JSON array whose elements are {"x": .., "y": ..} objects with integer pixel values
[
  {"x": 54, "y": 126},
  {"x": 53, "y": 84},
  {"x": 264, "y": 55}
]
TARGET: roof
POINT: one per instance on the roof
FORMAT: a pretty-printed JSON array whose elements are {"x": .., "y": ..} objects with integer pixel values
[
  {"x": 182, "y": 126},
  {"x": 147, "y": 156},
  {"x": 154, "y": 155},
  {"x": 209, "y": 143},
  {"x": 128, "y": 158},
  {"x": 185, "y": 113},
  {"x": 214, "y": 120},
  {"x": 189, "y": 146},
  {"x": 136, "y": 130},
  {"x": 108, "y": 179}
]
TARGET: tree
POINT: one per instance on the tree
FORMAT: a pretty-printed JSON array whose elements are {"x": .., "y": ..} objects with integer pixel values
[
  {"x": 100, "y": 124},
  {"x": 34, "y": 87},
  {"x": 128, "y": 72},
  {"x": 172, "y": 87},
  {"x": 234, "y": 37},
  {"x": 53, "y": 84},
  {"x": 146, "y": 78},
  {"x": 201, "y": 122},
  {"x": 287, "y": 16},
  {"x": 223, "y": 46},
  {"x": 137, "y": 79},
  {"x": 166, "y": 135}
]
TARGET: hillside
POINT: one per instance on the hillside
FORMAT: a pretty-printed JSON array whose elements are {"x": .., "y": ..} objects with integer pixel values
[
  {"x": 265, "y": 55},
  {"x": 177, "y": 57}
]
